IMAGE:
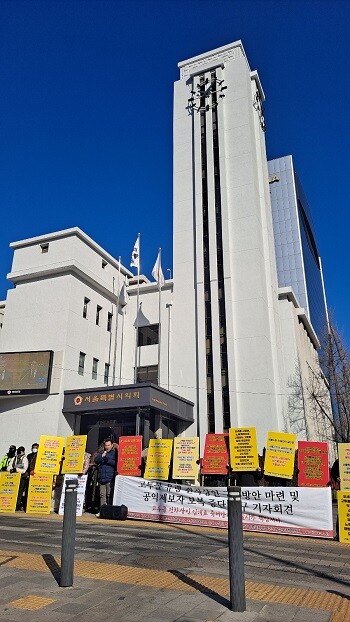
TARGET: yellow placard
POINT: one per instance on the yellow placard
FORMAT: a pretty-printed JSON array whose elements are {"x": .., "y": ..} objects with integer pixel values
[
  {"x": 49, "y": 454},
  {"x": 39, "y": 494},
  {"x": 243, "y": 449},
  {"x": 344, "y": 515},
  {"x": 344, "y": 465},
  {"x": 158, "y": 458},
  {"x": 186, "y": 457},
  {"x": 74, "y": 454},
  {"x": 9, "y": 483},
  {"x": 280, "y": 454}
]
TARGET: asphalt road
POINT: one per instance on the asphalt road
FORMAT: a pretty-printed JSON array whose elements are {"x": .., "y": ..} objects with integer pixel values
[{"x": 304, "y": 562}]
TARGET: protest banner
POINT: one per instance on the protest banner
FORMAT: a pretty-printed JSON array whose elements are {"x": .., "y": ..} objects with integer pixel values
[
  {"x": 80, "y": 492},
  {"x": 344, "y": 465},
  {"x": 344, "y": 515},
  {"x": 158, "y": 458},
  {"x": 287, "y": 510},
  {"x": 9, "y": 483},
  {"x": 313, "y": 463},
  {"x": 39, "y": 494},
  {"x": 243, "y": 449},
  {"x": 129, "y": 455},
  {"x": 74, "y": 454},
  {"x": 186, "y": 457},
  {"x": 49, "y": 455},
  {"x": 280, "y": 454},
  {"x": 216, "y": 454}
]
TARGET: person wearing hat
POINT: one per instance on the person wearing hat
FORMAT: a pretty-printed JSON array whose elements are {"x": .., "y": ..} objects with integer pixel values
[
  {"x": 7, "y": 457},
  {"x": 19, "y": 464}
]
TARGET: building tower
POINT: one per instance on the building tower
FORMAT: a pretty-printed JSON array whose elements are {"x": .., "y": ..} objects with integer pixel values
[{"x": 227, "y": 354}]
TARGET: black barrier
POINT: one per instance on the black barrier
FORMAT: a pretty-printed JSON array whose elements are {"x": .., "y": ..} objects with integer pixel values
[
  {"x": 235, "y": 547},
  {"x": 68, "y": 533}
]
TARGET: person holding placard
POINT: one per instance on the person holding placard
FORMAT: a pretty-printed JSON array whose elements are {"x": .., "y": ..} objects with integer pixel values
[
  {"x": 19, "y": 464},
  {"x": 106, "y": 472}
]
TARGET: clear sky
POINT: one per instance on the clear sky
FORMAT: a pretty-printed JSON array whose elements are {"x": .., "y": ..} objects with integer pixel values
[{"x": 86, "y": 116}]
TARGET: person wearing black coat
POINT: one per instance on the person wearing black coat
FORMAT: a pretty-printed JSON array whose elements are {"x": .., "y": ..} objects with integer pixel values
[{"x": 105, "y": 462}]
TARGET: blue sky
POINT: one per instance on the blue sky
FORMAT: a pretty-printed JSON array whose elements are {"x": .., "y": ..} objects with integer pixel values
[{"x": 86, "y": 116}]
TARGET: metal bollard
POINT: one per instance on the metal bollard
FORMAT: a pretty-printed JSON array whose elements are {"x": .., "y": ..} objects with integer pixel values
[
  {"x": 235, "y": 545},
  {"x": 68, "y": 533}
]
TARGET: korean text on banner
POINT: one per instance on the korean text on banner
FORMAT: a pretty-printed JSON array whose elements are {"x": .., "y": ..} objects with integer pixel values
[
  {"x": 344, "y": 515},
  {"x": 313, "y": 463},
  {"x": 39, "y": 494},
  {"x": 80, "y": 493},
  {"x": 186, "y": 457},
  {"x": 74, "y": 454},
  {"x": 243, "y": 449},
  {"x": 129, "y": 455},
  {"x": 344, "y": 465},
  {"x": 216, "y": 455},
  {"x": 158, "y": 458},
  {"x": 9, "y": 483},
  {"x": 280, "y": 454},
  {"x": 49, "y": 455},
  {"x": 287, "y": 510}
]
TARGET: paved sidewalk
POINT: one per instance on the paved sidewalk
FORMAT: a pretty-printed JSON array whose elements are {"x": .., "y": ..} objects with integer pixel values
[{"x": 29, "y": 582}]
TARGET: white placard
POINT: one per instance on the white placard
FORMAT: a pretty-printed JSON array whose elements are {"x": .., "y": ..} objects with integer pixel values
[
  {"x": 80, "y": 493},
  {"x": 290, "y": 510}
]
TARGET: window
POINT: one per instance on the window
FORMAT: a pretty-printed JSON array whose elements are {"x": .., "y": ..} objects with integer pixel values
[
  {"x": 81, "y": 363},
  {"x": 44, "y": 247},
  {"x": 85, "y": 307},
  {"x": 148, "y": 335},
  {"x": 94, "y": 368},
  {"x": 109, "y": 322},
  {"x": 148, "y": 374},
  {"x": 106, "y": 376},
  {"x": 98, "y": 314}
]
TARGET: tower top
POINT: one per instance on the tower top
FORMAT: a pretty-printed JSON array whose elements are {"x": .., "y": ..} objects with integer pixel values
[{"x": 210, "y": 60}]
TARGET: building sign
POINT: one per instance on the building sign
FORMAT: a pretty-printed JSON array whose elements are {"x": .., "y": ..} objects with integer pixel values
[
  {"x": 9, "y": 483},
  {"x": 74, "y": 454},
  {"x": 313, "y": 464},
  {"x": 280, "y": 454},
  {"x": 287, "y": 510},
  {"x": 39, "y": 494},
  {"x": 344, "y": 465},
  {"x": 158, "y": 458},
  {"x": 216, "y": 454},
  {"x": 243, "y": 449},
  {"x": 49, "y": 454},
  {"x": 25, "y": 373},
  {"x": 80, "y": 493},
  {"x": 129, "y": 455},
  {"x": 186, "y": 457}
]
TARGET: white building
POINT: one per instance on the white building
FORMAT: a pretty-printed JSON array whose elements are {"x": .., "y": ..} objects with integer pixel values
[{"x": 227, "y": 331}]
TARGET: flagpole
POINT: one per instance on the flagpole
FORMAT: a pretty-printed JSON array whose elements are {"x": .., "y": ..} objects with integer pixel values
[
  {"x": 116, "y": 323},
  {"x": 159, "y": 313},
  {"x": 137, "y": 310}
]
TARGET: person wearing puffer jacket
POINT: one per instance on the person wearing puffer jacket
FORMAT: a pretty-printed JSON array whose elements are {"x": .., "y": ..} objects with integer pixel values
[
  {"x": 19, "y": 464},
  {"x": 105, "y": 462}
]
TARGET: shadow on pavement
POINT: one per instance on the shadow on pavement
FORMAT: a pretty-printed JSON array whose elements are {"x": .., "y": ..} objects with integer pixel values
[
  {"x": 200, "y": 588},
  {"x": 53, "y": 567}
]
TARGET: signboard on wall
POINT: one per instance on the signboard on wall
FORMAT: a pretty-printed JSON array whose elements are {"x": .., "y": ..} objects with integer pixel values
[{"x": 25, "y": 373}]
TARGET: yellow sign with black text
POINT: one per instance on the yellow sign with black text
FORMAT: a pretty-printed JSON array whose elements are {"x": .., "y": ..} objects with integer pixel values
[
  {"x": 49, "y": 455},
  {"x": 74, "y": 454},
  {"x": 158, "y": 458},
  {"x": 39, "y": 494},
  {"x": 9, "y": 483},
  {"x": 280, "y": 454},
  {"x": 243, "y": 449},
  {"x": 186, "y": 457}
]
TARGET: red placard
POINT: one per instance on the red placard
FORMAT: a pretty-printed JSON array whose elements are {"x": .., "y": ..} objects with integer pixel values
[
  {"x": 129, "y": 455},
  {"x": 216, "y": 456},
  {"x": 313, "y": 464}
]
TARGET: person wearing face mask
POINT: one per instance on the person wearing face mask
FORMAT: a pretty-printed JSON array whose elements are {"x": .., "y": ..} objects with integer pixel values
[
  {"x": 31, "y": 457},
  {"x": 19, "y": 464},
  {"x": 7, "y": 457}
]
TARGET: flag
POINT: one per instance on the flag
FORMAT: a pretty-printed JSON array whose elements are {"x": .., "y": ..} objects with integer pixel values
[
  {"x": 135, "y": 255},
  {"x": 157, "y": 271}
]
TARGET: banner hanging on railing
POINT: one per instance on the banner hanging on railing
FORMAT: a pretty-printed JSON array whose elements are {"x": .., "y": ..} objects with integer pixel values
[{"x": 293, "y": 511}]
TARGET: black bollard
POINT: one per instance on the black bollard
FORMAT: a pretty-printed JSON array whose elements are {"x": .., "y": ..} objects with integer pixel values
[
  {"x": 68, "y": 533},
  {"x": 235, "y": 546}
]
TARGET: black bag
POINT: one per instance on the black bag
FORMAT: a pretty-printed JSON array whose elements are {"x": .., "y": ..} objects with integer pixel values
[{"x": 114, "y": 512}]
